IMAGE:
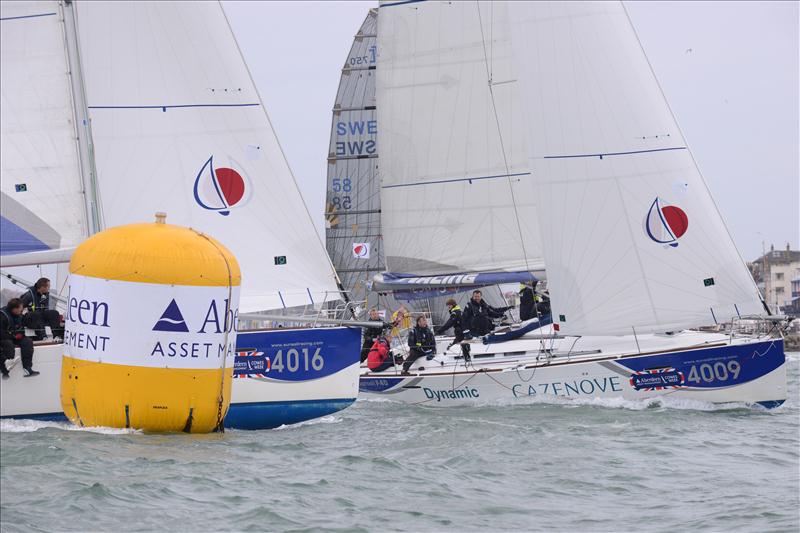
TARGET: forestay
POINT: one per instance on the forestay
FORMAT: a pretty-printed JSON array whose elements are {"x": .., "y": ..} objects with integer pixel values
[
  {"x": 179, "y": 127},
  {"x": 456, "y": 194},
  {"x": 40, "y": 181},
  {"x": 632, "y": 238}
]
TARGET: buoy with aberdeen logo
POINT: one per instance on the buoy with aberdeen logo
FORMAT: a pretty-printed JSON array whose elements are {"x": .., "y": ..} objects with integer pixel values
[{"x": 150, "y": 329}]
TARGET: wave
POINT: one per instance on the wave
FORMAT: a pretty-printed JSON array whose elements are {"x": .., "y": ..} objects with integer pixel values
[
  {"x": 330, "y": 419},
  {"x": 661, "y": 402},
  {"x": 28, "y": 426}
]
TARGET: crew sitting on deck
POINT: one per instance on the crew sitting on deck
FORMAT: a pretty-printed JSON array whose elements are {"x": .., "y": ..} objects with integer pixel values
[
  {"x": 527, "y": 301},
  {"x": 543, "y": 303},
  {"x": 453, "y": 321},
  {"x": 477, "y": 317},
  {"x": 12, "y": 334},
  {"x": 37, "y": 301},
  {"x": 401, "y": 321},
  {"x": 380, "y": 356},
  {"x": 371, "y": 334},
  {"x": 421, "y": 343}
]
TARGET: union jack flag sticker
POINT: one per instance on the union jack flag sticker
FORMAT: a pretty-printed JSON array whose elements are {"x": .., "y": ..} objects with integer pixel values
[
  {"x": 251, "y": 363},
  {"x": 657, "y": 379}
]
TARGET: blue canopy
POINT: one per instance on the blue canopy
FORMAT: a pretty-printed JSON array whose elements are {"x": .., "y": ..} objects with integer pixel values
[{"x": 443, "y": 284}]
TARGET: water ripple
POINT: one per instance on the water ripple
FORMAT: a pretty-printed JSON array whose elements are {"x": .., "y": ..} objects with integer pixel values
[{"x": 542, "y": 464}]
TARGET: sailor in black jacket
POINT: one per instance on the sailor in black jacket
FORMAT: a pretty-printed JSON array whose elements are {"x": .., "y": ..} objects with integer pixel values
[
  {"x": 12, "y": 334},
  {"x": 477, "y": 317},
  {"x": 527, "y": 301},
  {"x": 454, "y": 321},
  {"x": 421, "y": 343},
  {"x": 37, "y": 300}
]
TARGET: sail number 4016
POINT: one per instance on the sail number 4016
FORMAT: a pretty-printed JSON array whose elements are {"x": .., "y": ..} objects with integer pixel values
[
  {"x": 719, "y": 371},
  {"x": 293, "y": 360}
]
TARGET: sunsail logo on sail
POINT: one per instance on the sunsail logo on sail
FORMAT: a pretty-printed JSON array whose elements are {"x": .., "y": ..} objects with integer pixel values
[
  {"x": 220, "y": 189},
  {"x": 665, "y": 223}
]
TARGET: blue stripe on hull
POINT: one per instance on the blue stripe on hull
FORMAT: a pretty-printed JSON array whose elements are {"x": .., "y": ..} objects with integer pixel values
[
  {"x": 755, "y": 360},
  {"x": 269, "y": 415},
  {"x": 45, "y": 417},
  {"x": 771, "y": 404}
]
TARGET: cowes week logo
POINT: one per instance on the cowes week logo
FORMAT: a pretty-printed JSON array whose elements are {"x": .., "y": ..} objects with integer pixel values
[{"x": 221, "y": 189}]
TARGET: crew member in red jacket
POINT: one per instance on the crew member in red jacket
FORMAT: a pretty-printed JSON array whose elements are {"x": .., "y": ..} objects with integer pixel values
[{"x": 380, "y": 357}]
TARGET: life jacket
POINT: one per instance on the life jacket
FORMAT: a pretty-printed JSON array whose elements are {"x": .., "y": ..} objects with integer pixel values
[
  {"x": 14, "y": 322},
  {"x": 479, "y": 321},
  {"x": 378, "y": 354},
  {"x": 38, "y": 301},
  {"x": 455, "y": 317},
  {"x": 422, "y": 339}
]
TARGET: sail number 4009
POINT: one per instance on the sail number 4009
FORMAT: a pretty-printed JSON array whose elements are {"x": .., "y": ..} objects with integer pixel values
[
  {"x": 718, "y": 371},
  {"x": 293, "y": 360}
]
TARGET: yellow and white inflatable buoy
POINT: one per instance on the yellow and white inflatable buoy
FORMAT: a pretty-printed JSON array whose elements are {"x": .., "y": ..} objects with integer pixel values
[{"x": 150, "y": 331}]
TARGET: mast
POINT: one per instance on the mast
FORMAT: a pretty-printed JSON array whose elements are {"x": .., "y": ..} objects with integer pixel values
[{"x": 83, "y": 128}]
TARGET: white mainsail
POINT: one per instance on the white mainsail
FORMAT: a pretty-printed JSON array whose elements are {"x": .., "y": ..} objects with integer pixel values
[
  {"x": 179, "y": 127},
  {"x": 41, "y": 189},
  {"x": 456, "y": 193},
  {"x": 632, "y": 238}
]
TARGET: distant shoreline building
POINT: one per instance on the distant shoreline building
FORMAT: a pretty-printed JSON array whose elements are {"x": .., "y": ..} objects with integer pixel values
[{"x": 777, "y": 274}]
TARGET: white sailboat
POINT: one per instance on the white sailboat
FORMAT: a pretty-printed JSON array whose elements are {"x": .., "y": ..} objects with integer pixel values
[
  {"x": 534, "y": 136},
  {"x": 112, "y": 111}
]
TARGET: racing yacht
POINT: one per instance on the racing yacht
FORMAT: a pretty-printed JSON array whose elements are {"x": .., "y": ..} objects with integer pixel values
[{"x": 533, "y": 138}]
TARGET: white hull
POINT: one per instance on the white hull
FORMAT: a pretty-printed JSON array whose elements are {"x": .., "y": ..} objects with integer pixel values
[
  {"x": 704, "y": 367},
  {"x": 256, "y": 403}
]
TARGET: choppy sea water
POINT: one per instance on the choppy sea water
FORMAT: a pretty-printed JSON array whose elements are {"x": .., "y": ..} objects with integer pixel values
[{"x": 380, "y": 466}]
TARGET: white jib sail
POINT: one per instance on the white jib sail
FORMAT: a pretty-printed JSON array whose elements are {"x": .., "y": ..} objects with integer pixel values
[
  {"x": 40, "y": 182},
  {"x": 453, "y": 163},
  {"x": 179, "y": 127},
  {"x": 632, "y": 238}
]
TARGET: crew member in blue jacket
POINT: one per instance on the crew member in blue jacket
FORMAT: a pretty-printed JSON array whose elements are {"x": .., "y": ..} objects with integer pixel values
[
  {"x": 37, "y": 300},
  {"x": 421, "y": 343},
  {"x": 453, "y": 321}
]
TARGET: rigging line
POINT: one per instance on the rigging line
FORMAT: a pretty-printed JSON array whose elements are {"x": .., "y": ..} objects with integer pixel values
[{"x": 505, "y": 158}]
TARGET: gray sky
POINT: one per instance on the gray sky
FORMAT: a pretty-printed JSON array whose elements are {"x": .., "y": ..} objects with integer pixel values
[{"x": 729, "y": 70}]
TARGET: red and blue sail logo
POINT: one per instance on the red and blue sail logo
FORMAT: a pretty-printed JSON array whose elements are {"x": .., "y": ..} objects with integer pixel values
[
  {"x": 665, "y": 223},
  {"x": 220, "y": 189}
]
